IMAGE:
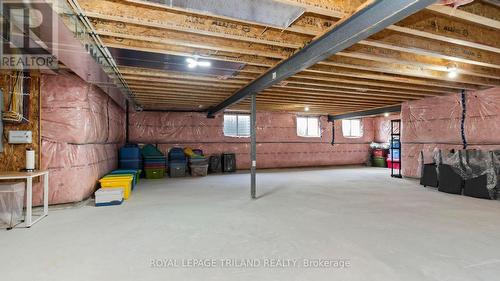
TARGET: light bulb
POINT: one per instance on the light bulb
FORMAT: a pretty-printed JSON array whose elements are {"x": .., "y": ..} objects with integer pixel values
[{"x": 453, "y": 73}]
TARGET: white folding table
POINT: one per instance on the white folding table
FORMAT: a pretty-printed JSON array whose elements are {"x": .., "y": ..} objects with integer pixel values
[{"x": 28, "y": 176}]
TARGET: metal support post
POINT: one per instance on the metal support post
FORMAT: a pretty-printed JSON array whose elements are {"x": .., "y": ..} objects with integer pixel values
[{"x": 253, "y": 153}]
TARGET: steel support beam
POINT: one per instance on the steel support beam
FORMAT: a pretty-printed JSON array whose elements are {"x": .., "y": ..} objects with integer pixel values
[
  {"x": 253, "y": 136},
  {"x": 368, "y": 20},
  {"x": 371, "y": 112}
]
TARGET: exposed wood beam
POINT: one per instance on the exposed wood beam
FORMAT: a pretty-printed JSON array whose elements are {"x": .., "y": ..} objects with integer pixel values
[
  {"x": 299, "y": 86},
  {"x": 324, "y": 69},
  {"x": 408, "y": 70},
  {"x": 296, "y": 80},
  {"x": 345, "y": 71},
  {"x": 404, "y": 69},
  {"x": 269, "y": 98},
  {"x": 408, "y": 60},
  {"x": 199, "y": 43},
  {"x": 476, "y": 12},
  {"x": 138, "y": 45},
  {"x": 170, "y": 81},
  {"x": 275, "y": 105},
  {"x": 365, "y": 22},
  {"x": 287, "y": 92},
  {"x": 201, "y": 29},
  {"x": 303, "y": 78},
  {"x": 294, "y": 103}
]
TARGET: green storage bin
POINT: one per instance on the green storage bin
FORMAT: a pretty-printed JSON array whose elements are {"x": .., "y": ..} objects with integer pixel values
[
  {"x": 379, "y": 162},
  {"x": 136, "y": 173},
  {"x": 155, "y": 173}
]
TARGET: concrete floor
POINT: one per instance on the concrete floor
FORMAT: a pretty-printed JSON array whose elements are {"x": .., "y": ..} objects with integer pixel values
[{"x": 386, "y": 229}]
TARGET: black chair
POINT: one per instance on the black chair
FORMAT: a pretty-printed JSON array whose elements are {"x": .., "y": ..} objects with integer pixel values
[
  {"x": 449, "y": 180},
  {"x": 477, "y": 163},
  {"x": 429, "y": 175},
  {"x": 477, "y": 187}
]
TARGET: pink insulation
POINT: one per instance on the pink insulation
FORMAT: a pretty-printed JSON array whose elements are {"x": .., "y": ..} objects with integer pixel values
[
  {"x": 82, "y": 130},
  {"x": 436, "y": 123},
  {"x": 382, "y": 127},
  {"x": 77, "y": 112},
  {"x": 74, "y": 169},
  {"x": 278, "y": 143}
]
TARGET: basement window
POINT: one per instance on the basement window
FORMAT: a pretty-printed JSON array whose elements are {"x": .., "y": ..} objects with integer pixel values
[
  {"x": 352, "y": 128},
  {"x": 308, "y": 126},
  {"x": 237, "y": 125}
]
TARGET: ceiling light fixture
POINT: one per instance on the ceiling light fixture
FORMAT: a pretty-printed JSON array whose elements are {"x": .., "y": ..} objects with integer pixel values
[
  {"x": 194, "y": 62},
  {"x": 386, "y": 114},
  {"x": 452, "y": 71},
  {"x": 306, "y": 108}
]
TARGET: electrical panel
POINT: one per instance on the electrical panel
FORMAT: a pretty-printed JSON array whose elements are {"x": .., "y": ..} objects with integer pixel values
[{"x": 20, "y": 137}]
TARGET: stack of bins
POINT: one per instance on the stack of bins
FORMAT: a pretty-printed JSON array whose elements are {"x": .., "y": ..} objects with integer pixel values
[
  {"x": 198, "y": 165},
  {"x": 154, "y": 162},
  {"x": 229, "y": 162},
  {"x": 130, "y": 158},
  {"x": 378, "y": 158},
  {"x": 135, "y": 173},
  {"x": 118, "y": 181},
  {"x": 177, "y": 162},
  {"x": 394, "y": 153},
  {"x": 215, "y": 164}
]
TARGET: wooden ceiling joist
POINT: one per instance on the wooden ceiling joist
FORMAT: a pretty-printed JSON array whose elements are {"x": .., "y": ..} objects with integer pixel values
[
  {"x": 408, "y": 60},
  {"x": 415, "y": 46},
  {"x": 297, "y": 82},
  {"x": 302, "y": 78},
  {"x": 332, "y": 96},
  {"x": 319, "y": 68}
]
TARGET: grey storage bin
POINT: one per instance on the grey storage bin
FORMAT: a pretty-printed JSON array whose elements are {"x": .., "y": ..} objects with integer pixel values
[
  {"x": 199, "y": 170},
  {"x": 198, "y": 161},
  {"x": 11, "y": 204},
  {"x": 177, "y": 170}
]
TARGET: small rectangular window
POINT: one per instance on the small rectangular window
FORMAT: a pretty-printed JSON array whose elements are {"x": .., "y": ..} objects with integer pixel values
[
  {"x": 308, "y": 126},
  {"x": 237, "y": 125},
  {"x": 352, "y": 128}
]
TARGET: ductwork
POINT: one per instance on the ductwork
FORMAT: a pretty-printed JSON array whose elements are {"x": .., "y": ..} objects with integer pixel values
[{"x": 267, "y": 12}]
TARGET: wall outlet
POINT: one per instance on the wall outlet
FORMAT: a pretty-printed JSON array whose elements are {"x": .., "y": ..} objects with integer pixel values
[{"x": 20, "y": 137}]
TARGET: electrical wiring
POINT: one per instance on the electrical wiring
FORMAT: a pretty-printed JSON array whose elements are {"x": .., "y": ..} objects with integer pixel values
[{"x": 15, "y": 104}]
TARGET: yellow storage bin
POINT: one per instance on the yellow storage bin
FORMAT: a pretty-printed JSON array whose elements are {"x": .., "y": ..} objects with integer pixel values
[{"x": 124, "y": 182}]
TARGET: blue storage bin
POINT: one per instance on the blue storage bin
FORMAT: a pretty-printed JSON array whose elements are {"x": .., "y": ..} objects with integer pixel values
[
  {"x": 130, "y": 153},
  {"x": 394, "y": 153},
  {"x": 176, "y": 153},
  {"x": 178, "y": 162},
  {"x": 131, "y": 164},
  {"x": 396, "y": 144}
]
